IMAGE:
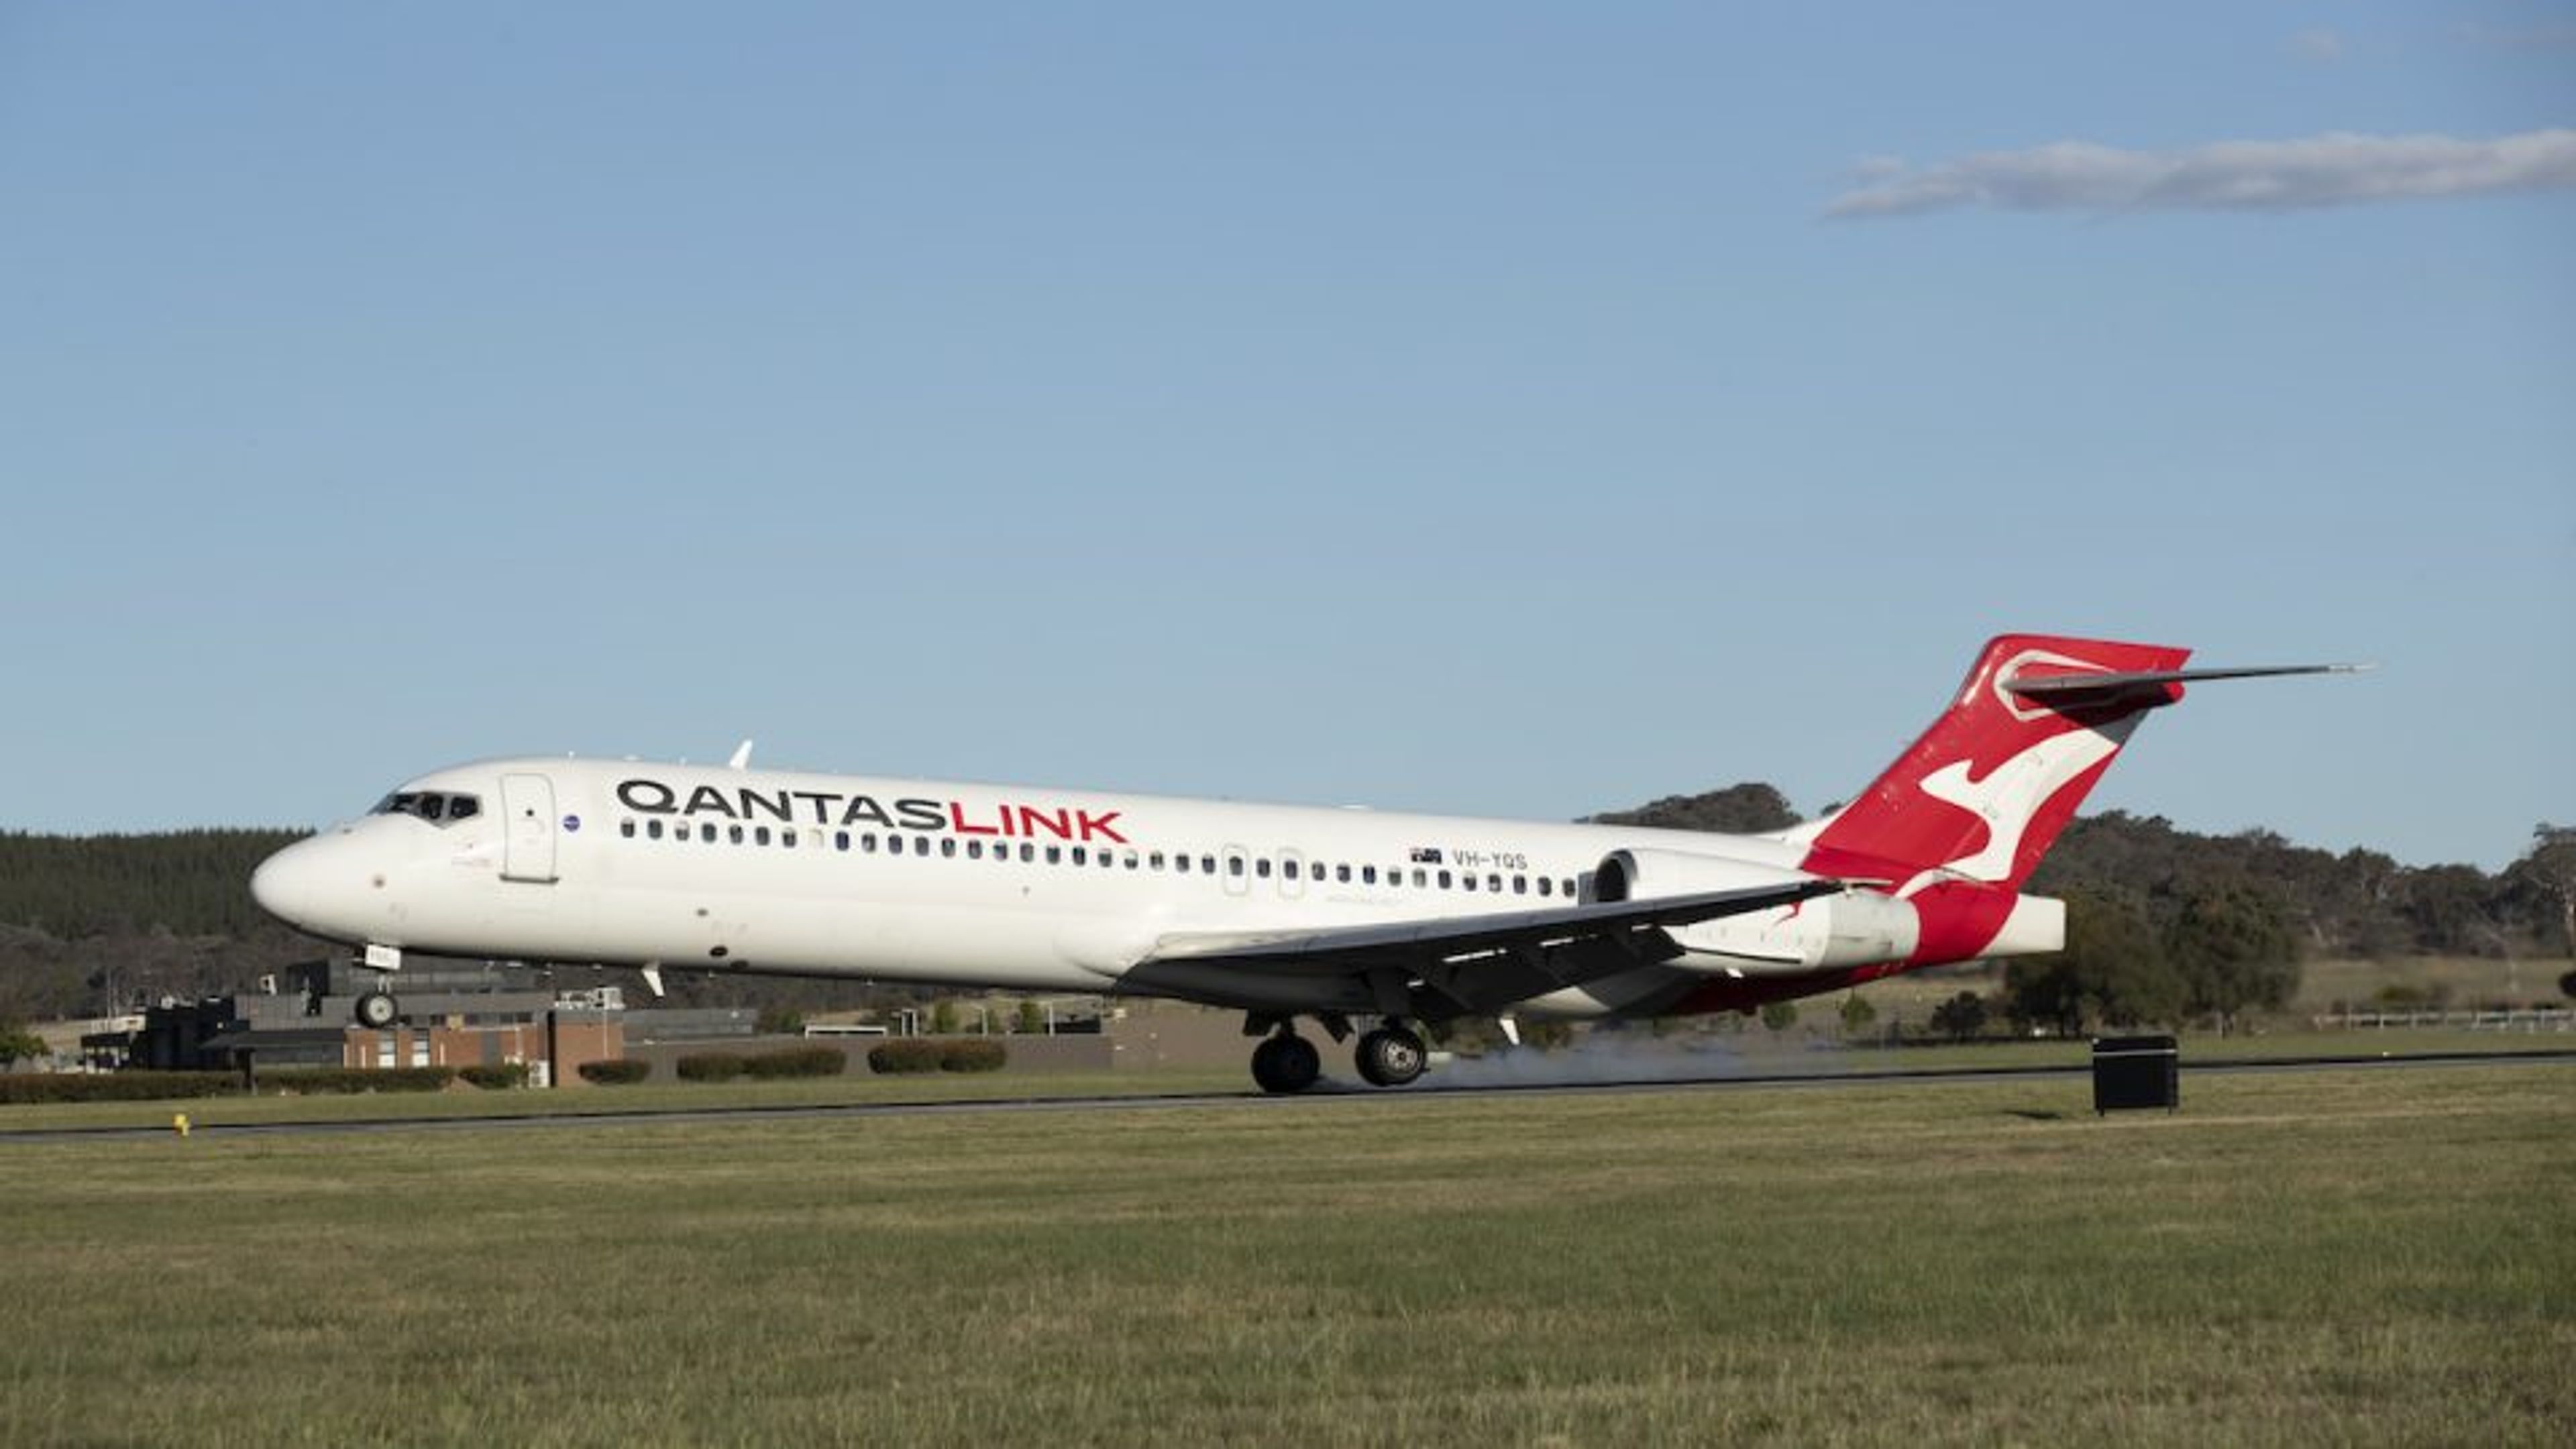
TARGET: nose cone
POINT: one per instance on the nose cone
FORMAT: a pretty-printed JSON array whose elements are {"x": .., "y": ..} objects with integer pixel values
[{"x": 294, "y": 885}]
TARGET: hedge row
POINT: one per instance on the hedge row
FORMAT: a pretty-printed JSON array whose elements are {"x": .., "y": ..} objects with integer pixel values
[
  {"x": 495, "y": 1078},
  {"x": 709, "y": 1066},
  {"x": 923, "y": 1054},
  {"x": 114, "y": 1086},
  {"x": 820, "y": 1061},
  {"x": 622, "y": 1072},
  {"x": 784, "y": 1062},
  {"x": 342, "y": 1081}
]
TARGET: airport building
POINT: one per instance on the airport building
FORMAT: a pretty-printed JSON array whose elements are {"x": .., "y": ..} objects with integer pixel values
[{"x": 455, "y": 1014}]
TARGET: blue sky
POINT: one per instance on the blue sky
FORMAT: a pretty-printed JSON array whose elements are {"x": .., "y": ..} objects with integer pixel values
[{"x": 1499, "y": 409}]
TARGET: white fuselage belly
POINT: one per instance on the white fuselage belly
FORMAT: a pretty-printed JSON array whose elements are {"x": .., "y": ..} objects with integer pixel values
[{"x": 857, "y": 896}]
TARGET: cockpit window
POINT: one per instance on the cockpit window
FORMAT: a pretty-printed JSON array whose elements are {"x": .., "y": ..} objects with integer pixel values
[{"x": 433, "y": 806}]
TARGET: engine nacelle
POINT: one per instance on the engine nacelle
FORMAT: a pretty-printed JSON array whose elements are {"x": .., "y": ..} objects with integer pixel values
[{"x": 1856, "y": 928}]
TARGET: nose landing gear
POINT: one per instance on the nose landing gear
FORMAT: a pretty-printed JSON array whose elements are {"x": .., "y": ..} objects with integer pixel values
[{"x": 377, "y": 1010}]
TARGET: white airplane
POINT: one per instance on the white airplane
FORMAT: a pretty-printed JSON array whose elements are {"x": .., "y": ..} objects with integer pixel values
[{"x": 1281, "y": 912}]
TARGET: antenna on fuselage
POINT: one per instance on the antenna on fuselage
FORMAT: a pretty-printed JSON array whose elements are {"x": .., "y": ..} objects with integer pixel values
[{"x": 741, "y": 757}]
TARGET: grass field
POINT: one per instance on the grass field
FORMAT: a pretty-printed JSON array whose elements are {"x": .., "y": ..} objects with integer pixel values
[
  {"x": 1633, "y": 1056},
  {"x": 2322, "y": 1258}
]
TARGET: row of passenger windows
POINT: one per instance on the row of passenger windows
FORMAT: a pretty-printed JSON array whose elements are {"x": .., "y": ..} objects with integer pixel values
[{"x": 950, "y": 847}]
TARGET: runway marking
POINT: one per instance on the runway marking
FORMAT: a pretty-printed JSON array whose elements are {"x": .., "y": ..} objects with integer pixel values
[{"x": 1332, "y": 1093}]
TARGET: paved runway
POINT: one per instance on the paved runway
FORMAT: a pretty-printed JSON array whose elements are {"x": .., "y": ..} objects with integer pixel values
[{"x": 1329, "y": 1096}]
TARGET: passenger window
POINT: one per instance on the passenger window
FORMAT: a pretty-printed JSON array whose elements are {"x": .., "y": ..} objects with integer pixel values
[
  {"x": 1468, "y": 880},
  {"x": 1181, "y": 864},
  {"x": 1420, "y": 880},
  {"x": 626, "y": 828},
  {"x": 707, "y": 833},
  {"x": 1028, "y": 852},
  {"x": 1154, "y": 861},
  {"x": 1444, "y": 880},
  {"x": 1261, "y": 867},
  {"x": 1543, "y": 884},
  {"x": 1494, "y": 883},
  {"x": 1055, "y": 855},
  {"x": 1288, "y": 868},
  {"x": 840, "y": 840},
  {"x": 734, "y": 833},
  {"x": 760, "y": 835},
  {"x": 921, "y": 845},
  {"x": 1569, "y": 889},
  {"x": 787, "y": 837},
  {"x": 974, "y": 850},
  {"x": 1234, "y": 865},
  {"x": 652, "y": 829},
  {"x": 1368, "y": 875},
  {"x": 1342, "y": 873},
  {"x": 1520, "y": 885},
  {"x": 1080, "y": 857},
  {"x": 948, "y": 846}
]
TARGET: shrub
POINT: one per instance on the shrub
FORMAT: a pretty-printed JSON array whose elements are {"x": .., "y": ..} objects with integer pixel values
[
  {"x": 976, "y": 1055},
  {"x": 497, "y": 1077},
  {"x": 625, "y": 1071},
  {"x": 349, "y": 1081},
  {"x": 813, "y": 1061},
  {"x": 904, "y": 1054},
  {"x": 709, "y": 1066},
  {"x": 129, "y": 1086}
]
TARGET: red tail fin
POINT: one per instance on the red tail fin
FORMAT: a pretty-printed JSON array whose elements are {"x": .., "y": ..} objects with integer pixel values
[{"x": 1986, "y": 789}]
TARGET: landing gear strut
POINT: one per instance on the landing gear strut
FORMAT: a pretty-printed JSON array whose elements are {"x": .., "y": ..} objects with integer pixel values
[
  {"x": 1391, "y": 1056},
  {"x": 1286, "y": 1062}
]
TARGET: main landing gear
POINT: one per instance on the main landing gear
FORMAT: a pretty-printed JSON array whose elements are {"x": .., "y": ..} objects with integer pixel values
[
  {"x": 1286, "y": 1063},
  {"x": 1392, "y": 1055}
]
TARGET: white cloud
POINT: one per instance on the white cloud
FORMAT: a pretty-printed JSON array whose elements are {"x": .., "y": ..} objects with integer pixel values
[
  {"x": 2320, "y": 45},
  {"x": 2331, "y": 170}
]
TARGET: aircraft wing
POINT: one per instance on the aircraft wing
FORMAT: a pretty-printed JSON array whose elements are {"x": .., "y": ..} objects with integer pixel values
[{"x": 1483, "y": 962}]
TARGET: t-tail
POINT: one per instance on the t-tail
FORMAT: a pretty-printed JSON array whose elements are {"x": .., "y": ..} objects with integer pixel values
[{"x": 1961, "y": 819}]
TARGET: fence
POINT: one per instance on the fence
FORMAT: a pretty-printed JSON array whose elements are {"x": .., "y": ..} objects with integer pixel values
[{"x": 2529, "y": 1020}]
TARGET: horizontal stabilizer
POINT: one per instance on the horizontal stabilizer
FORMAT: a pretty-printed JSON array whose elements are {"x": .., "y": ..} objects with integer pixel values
[{"x": 2144, "y": 688}]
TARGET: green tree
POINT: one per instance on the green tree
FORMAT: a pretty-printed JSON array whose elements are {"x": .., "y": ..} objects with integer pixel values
[
  {"x": 943, "y": 1018},
  {"x": 1780, "y": 1015},
  {"x": 1961, "y": 1017},
  {"x": 2232, "y": 950},
  {"x": 1736, "y": 810},
  {"x": 2547, "y": 879},
  {"x": 17, "y": 1044},
  {"x": 2113, "y": 970},
  {"x": 1857, "y": 1014},
  {"x": 1032, "y": 1021},
  {"x": 780, "y": 1021}
]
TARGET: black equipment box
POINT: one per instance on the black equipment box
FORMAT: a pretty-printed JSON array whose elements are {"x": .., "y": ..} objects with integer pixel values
[{"x": 2134, "y": 1072}]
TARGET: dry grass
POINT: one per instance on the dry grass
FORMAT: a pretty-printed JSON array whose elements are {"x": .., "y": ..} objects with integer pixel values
[{"x": 2327, "y": 1258}]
